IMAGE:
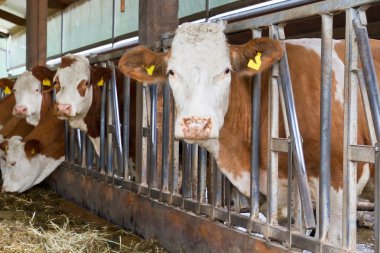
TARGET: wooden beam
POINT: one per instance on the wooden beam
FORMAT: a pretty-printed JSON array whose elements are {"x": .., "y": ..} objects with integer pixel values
[
  {"x": 60, "y": 4},
  {"x": 12, "y": 18},
  {"x": 36, "y": 32}
]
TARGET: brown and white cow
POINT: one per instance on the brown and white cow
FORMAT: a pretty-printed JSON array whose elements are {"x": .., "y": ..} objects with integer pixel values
[
  {"x": 31, "y": 159},
  {"x": 33, "y": 93},
  {"x": 7, "y": 103},
  {"x": 211, "y": 84},
  {"x": 78, "y": 95}
]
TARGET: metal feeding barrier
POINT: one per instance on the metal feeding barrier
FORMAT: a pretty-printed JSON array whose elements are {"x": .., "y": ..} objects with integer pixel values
[{"x": 186, "y": 176}]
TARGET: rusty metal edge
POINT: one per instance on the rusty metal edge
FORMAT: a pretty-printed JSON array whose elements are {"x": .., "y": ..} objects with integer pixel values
[{"x": 176, "y": 230}]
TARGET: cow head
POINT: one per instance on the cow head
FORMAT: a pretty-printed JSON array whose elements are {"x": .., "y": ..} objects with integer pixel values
[
  {"x": 199, "y": 68},
  {"x": 74, "y": 83},
  {"x": 6, "y": 85},
  {"x": 32, "y": 92}
]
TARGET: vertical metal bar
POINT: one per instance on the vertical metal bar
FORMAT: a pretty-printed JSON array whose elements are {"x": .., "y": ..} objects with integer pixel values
[
  {"x": 78, "y": 145},
  {"x": 217, "y": 198},
  {"x": 126, "y": 124},
  {"x": 116, "y": 119},
  {"x": 109, "y": 131},
  {"x": 202, "y": 167},
  {"x": 186, "y": 173},
  {"x": 368, "y": 69},
  {"x": 102, "y": 130},
  {"x": 377, "y": 198},
  {"x": 350, "y": 134},
  {"x": 255, "y": 141},
  {"x": 296, "y": 137},
  {"x": 89, "y": 154},
  {"x": 153, "y": 137},
  {"x": 273, "y": 111},
  {"x": 72, "y": 145},
  {"x": 67, "y": 141},
  {"x": 165, "y": 138},
  {"x": 175, "y": 187},
  {"x": 144, "y": 144},
  {"x": 83, "y": 153},
  {"x": 194, "y": 170},
  {"x": 325, "y": 122},
  {"x": 290, "y": 190}
]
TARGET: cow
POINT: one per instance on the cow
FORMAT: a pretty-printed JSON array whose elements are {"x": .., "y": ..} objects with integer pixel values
[
  {"x": 31, "y": 159},
  {"x": 211, "y": 85},
  {"x": 33, "y": 93},
  {"x": 7, "y": 103},
  {"x": 78, "y": 91}
]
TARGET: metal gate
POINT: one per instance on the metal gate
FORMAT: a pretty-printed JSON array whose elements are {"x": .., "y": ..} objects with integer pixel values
[{"x": 181, "y": 180}]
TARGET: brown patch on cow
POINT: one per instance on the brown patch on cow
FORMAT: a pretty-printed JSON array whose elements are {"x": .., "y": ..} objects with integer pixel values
[
  {"x": 50, "y": 133},
  {"x": 4, "y": 146},
  {"x": 32, "y": 148},
  {"x": 57, "y": 85},
  {"x": 66, "y": 61},
  {"x": 6, "y": 108},
  {"x": 82, "y": 87},
  {"x": 92, "y": 118},
  {"x": 271, "y": 51},
  {"x": 46, "y": 104},
  {"x": 42, "y": 73},
  {"x": 22, "y": 128},
  {"x": 100, "y": 73},
  {"x": 134, "y": 62}
]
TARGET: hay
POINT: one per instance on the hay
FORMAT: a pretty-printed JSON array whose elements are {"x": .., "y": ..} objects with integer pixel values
[{"x": 40, "y": 221}]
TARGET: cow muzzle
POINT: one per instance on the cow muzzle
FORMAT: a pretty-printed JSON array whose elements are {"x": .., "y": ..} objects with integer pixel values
[
  {"x": 20, "y": 110},
  {"x": 63, "y": 109},
  {"x": 196, "y": 128}
]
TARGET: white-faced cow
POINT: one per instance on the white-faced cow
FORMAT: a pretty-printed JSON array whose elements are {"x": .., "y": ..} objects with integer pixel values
[
  {"x": 78, "y": 89},
  {"x": 211, "y": 84},
  {"x": 33, "y": 93}
]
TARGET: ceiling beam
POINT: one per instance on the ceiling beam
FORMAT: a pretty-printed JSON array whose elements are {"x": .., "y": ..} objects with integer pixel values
[
  {"x": 12, "y": 18},
  {"x": 60, "y": 4}
]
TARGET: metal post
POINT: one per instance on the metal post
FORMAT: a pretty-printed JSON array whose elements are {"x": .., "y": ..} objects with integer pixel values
[
  {"x": 350, "y": 134},
  {"x": 116, "y": 120},
  {"x": 325, "y": 122},
  {"x": 377, "y": 198},
  {"x": 194, "y": 170},
  {"x": 109, "y": 133},
  {"x": 102, "y": 129},
  {"x": 290, "y": 190},
  {"x": 359, "y": 25},
  {"x": 166, "y": 138},
  {"x": 186, "y": 170},
  {"x": 255, "y": 141},
  {"x": 72, "y": 146},
  {"x": 202, "y": 167},
  {"x": 153, "y": 137},
  {"x": 67, "y": 141},
  {"x": 126, "y": 124},
  {"x": 296, "y": 137},
  {"x": 217, "y": 198},
  {"x": 89, "y": 154}
]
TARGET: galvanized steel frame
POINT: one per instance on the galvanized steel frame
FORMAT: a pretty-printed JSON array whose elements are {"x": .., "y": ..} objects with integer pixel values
[{"x": 195, "y": 160}]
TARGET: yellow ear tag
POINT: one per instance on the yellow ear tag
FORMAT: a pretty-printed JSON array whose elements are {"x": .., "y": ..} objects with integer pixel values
[
  {"x": 33, "y": 151},
  {"x": 150, "y": 70},
  {"x": 7, "y": 91},
  {"x": 46, "y": 82},
  {"x": 255, "y": 64},
  {"x": 100, "y": 82}
]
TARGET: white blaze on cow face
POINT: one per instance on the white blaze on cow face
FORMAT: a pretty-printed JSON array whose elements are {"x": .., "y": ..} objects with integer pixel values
[
  {"x": 28, "y": 95},
  {"x": 199, "y": 75},
  {"x": 69, "y": 101}
]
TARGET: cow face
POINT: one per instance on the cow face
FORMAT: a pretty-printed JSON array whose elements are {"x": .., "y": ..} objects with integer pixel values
[
  {"x": 30, "y": 89},
  {"x": 72, "y": 86},
  {"x": 199, "y": 68},
  {"x": 74, "y": 83}
]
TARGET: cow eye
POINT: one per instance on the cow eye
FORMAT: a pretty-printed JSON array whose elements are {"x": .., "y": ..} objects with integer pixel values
[
  {"x": 14, "y": 90},
  {"x": 37, "y": 90},
  {"x": 171, "y": 72},
  {"x": 227, "y": 71}
]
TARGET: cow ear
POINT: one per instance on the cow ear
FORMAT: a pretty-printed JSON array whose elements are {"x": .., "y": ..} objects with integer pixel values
[
  {"x": 32, "y": 148},
  {"x": 4, "y": 146},
  {"x": 100, "y": 75},
  {"x": 255, "y": 56},
  {"x": 45, "y": 76},
  {"x": 144, "y": 65},
  {"x": 6, "y": 85}
]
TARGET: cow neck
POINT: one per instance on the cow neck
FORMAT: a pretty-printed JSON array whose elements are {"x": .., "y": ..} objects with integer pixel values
[
  {"x": 92, "y": 118},
  {"x": 55, "y": 129},
  {"x": 6, "y": 106}
]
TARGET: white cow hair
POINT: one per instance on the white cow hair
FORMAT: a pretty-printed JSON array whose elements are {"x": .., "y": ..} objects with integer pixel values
[
  {"x": 27, "y": 91},
  {"x": 199, "y": 58},
  {"x": 69, "y": 78},
  {"x": 25, "y": 173}
]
